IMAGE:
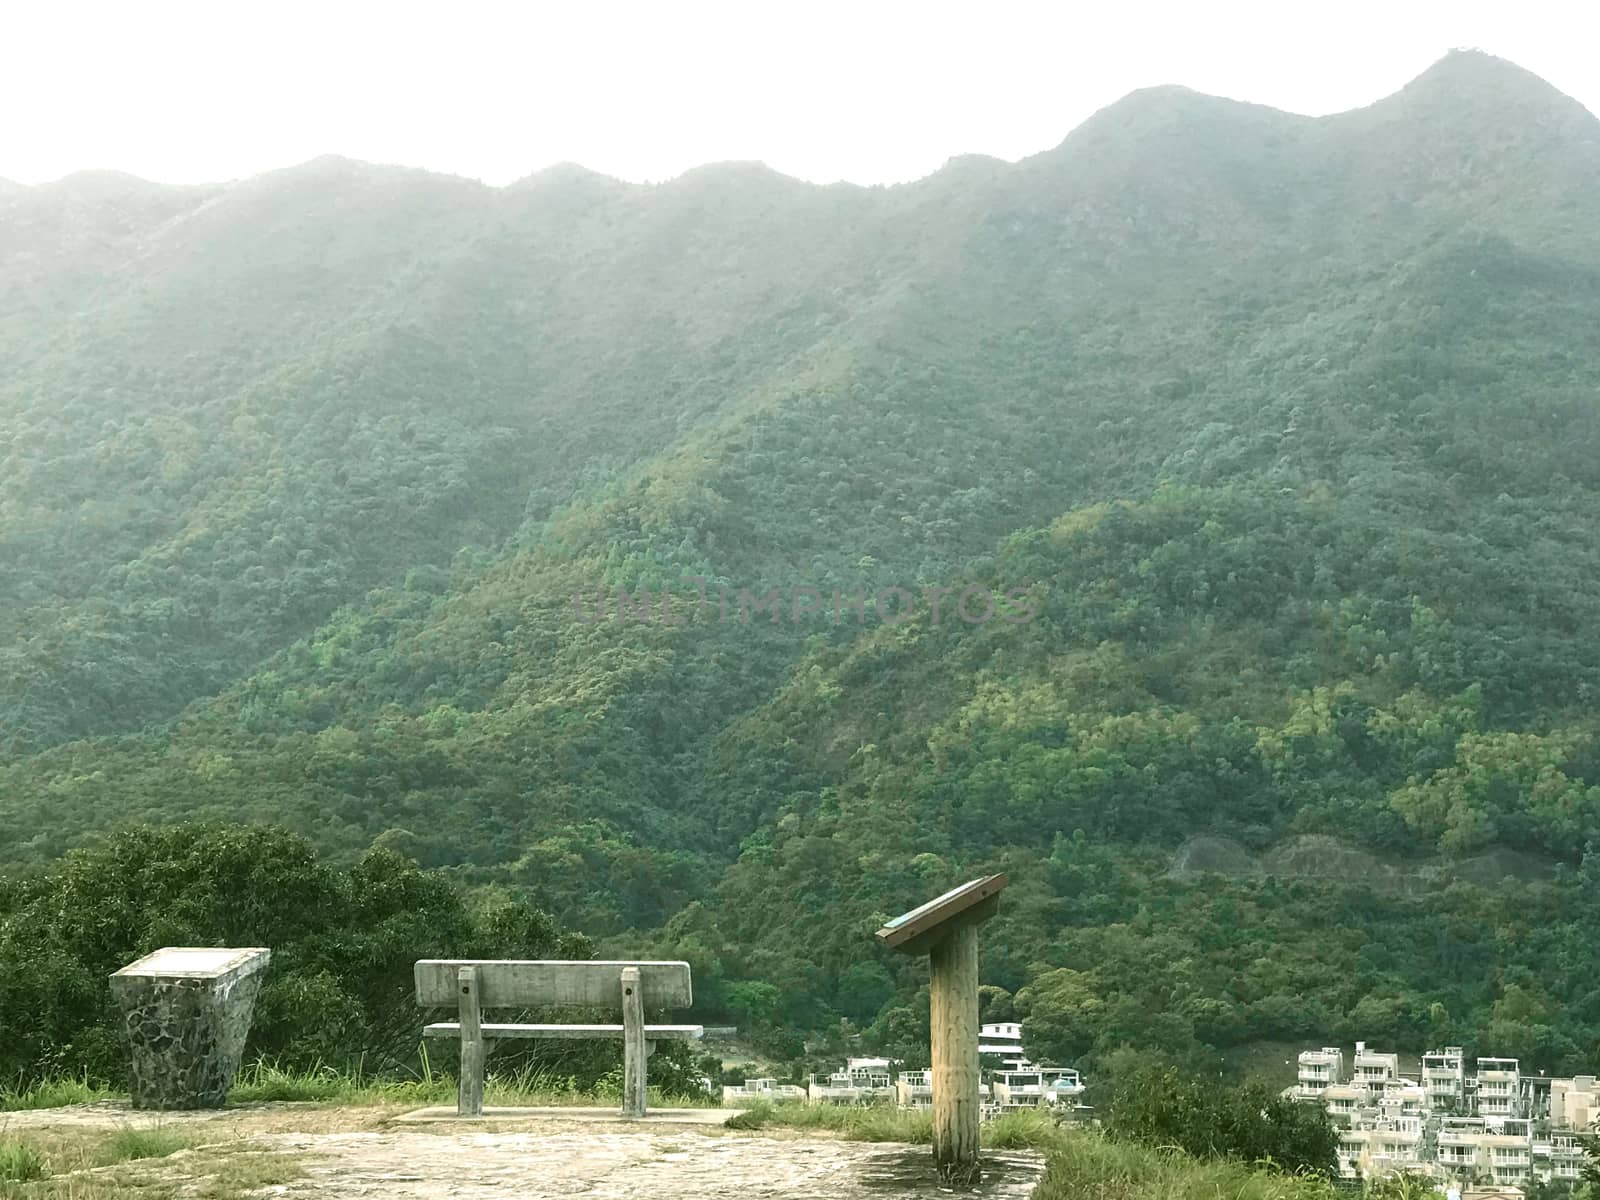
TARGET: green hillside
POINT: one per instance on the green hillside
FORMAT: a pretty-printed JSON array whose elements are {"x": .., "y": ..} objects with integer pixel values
[{"x": 1282, "y": 434}]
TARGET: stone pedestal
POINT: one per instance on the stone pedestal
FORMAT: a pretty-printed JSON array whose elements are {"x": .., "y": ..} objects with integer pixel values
[{"x": 187, "y": 1012}]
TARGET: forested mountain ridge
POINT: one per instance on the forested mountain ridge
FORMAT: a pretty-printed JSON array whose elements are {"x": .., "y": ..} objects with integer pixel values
[{"x": 1286, "y": 427}]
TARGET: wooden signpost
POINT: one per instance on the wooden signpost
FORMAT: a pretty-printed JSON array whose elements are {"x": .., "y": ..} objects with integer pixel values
[{"x": 946, "y": 929}]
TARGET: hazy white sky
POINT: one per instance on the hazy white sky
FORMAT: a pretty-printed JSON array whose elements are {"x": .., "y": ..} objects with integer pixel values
[{"x": 870, "y": 92}]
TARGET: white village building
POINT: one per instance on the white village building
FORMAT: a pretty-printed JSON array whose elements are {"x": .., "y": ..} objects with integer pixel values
[{"x": 1490, "y": 1126}]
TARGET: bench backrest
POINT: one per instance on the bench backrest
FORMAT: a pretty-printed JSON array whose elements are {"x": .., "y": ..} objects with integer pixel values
[{"x": 532, "y": 983}]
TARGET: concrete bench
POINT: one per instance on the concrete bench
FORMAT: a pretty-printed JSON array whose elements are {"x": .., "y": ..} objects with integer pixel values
[{"x": 473, "y": 985}]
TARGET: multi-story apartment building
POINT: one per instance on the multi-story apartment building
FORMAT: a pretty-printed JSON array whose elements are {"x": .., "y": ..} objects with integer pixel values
[
  {"x": 753, "y": 1091},
  {"x": 1454, "y": 1126},
  {"x": 1353, "y": 1152},
  {"x": 1003, "y": 1038},
  {"x": 1371, "y": 1070},
  {"x": 1344, "y": 1102},
  {"x": 1395, "y": 1145},
  {"x": 1382, "y": 1146},
  {"x": 914, "y": 1089},
  {"x": 862, "y": 1081},
  {"x": 1457, "y": 1145},
  {"x": 1382, "y": 1121},
  {"x": 1318, "y": 1071},
  {"x": 1500, "y": 1149},
  {"x": 1030, "y": 1087},
  {"x": 1575, "y": 1102},
  {"x": 1444, "y": 1077},
  {"x": 1508, "y": 1149},
  {"x": 1559, "y": 1160},
  {"x": 1498, "y": 1091},
  {"x": 1402, "y": 1098},
  {"x": 1402, "y": 1103}
]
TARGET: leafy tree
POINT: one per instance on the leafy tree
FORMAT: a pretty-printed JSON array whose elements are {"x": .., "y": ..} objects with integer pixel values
[
  {"x": 1062, "y": 1014},
  {"x": 339, "y": 987}
]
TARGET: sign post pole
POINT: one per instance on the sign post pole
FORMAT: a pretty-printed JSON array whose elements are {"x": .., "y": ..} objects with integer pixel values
[{"x": 946, "y": 929}]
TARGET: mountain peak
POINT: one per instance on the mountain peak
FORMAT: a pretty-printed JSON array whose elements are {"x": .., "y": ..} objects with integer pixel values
[
  {"x": 1174, "y": 112},
  {"x": 733, "y": 170},
  {"x": 100, "y": 181},
  {"x": 1474, "y": 123},
  {"x": 562, "y": 173},
  {"x": 1148, "y": 132},
  {"x": 1477, "y": 76},
  {"x": 1471, "y": 67},
  {"x": 1478, "y": 85}
]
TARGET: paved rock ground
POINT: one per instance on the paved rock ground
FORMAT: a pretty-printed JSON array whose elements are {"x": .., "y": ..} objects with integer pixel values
[
  {"x": 348, "y": 1154},
  {"x": 659, "y": 1164}
]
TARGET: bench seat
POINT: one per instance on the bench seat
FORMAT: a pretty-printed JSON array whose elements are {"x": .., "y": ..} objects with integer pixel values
[
  {"x": 626, "y": 989},
  {"x": 653, "y": 1033}
]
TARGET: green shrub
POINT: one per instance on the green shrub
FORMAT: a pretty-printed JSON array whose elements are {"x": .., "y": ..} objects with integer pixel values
[
  {"x": 1088, "y": 1166},
  {"x": 1402, "y": 1186},
  {"x": 1210, "y": 1120}
]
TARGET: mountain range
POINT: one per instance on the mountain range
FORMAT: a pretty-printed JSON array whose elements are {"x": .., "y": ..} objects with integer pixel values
[{"x": 1270, "y": 444}]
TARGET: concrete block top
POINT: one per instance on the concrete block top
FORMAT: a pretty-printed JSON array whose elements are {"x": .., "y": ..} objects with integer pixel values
[{"x": 198, "y": 962}]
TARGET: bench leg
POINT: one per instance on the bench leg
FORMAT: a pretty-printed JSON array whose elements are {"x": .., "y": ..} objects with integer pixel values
[
  {"x": 469, "y": 1096},
  {"x": 634, "y": 1087}
]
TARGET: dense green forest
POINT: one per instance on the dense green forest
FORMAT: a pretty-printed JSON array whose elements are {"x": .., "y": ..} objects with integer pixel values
[{"x": 1273, "y": 442}]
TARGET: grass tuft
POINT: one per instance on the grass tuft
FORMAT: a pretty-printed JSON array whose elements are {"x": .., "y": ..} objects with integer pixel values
[
  {"x": 129, "y": 1144},
  {"x": 1036, "y": 1130},
  {"x": 52, "y": 1093},
  {"x": 1087, "y": 1166},
  {"x": 526, "y": 1087},
  {"x": 859, "y": 1123},
  {"x": 95, "y": 1163},
  {"x": 1082, "y": 1164},
  {"x": 20, "y": 1162},
  {"x": 262, "y": 1082}
]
